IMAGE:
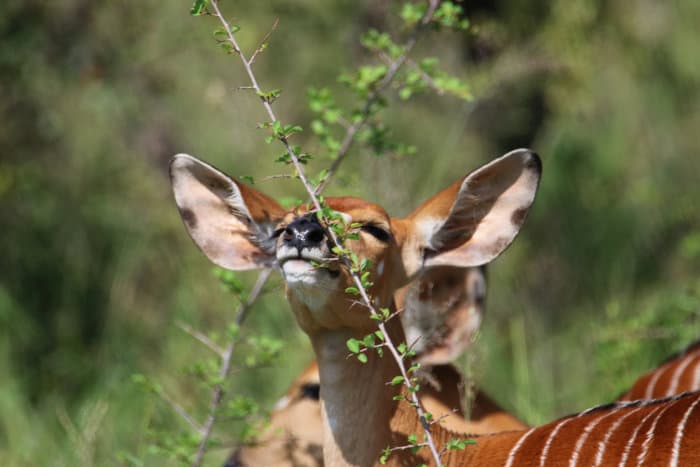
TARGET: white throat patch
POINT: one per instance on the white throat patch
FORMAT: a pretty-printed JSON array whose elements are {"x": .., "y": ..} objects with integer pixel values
[{"x": 310, "y": 284}]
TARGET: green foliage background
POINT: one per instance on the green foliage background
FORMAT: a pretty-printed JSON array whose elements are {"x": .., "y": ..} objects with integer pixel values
[{"x": 95, "y": 267}]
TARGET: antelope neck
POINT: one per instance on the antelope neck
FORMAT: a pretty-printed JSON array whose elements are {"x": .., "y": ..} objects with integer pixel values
[{"x": 357, "y": 404}]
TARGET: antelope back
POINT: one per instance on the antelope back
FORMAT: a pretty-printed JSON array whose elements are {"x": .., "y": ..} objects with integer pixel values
[{"x": 679, "y": 373}]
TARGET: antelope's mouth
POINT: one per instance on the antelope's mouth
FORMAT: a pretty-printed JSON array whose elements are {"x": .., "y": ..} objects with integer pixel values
[{"x": 307, "y": 261}]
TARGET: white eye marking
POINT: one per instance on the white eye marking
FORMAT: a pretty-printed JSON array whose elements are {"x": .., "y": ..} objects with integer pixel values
[
  {"x": 347, "y": 218},
  {"x": 380, "y": 268},
  {"x": 282, "y": 403}
]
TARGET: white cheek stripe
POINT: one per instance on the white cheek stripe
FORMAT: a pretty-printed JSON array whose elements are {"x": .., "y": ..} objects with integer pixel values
[
  {"x": 603, "y": 444},
  {"x": 676, "y": 452},
  {"x": 673, "y": 387},
  {"x": 511, "y": 454},
  {"x": 550, "y": 439},
  {"x": 630, "y": 441}
]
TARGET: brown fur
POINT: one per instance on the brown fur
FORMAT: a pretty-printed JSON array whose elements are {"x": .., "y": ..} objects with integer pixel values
[{"x": 678, "y": 374}]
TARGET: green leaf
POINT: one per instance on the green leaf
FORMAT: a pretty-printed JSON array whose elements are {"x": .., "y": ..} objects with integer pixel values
[
  {"x": 220, "y": 34},
  {"x": 459, "y": 444},
  {"x": 362, "y": 357},
  {"x": 379, "y": 334},
  {"x": 353, "y": 345},
  {"x": 397, "y": 380},
  {"x": 352, "y": 291},
  {"x": 198, "y": 7},
  {"x": 248, "y": 179},
  {"x": 412, "y": 438},
  {"x": 385, "y": 456},
  {"x": 234, "y": 330}
]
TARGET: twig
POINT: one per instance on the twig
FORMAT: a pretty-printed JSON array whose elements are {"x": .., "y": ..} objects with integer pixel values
[
  {"x": 218, "y": 393},
  {"x": 391, "y": 72},
  {"x": 200, "y": 337},
  {"x": 178, "y": 409},
  {"x": 388, "y": 78},
  {"x": 263, "y": 42},
  {"x": 426, "y": 77},
  {"x": 276, "y": 177}
]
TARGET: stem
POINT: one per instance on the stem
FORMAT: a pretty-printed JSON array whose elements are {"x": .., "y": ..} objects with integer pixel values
[
  {"x": 391, "y": 73},
  {"x": 218, "y": 393}
]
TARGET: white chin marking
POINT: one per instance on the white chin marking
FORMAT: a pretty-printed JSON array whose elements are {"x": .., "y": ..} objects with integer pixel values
[
  {"x": 299, "y": 272},
  {"x": 310, "y": 284}
]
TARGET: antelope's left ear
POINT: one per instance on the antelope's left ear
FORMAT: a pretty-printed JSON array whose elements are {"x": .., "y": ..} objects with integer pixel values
[
  {"x": 229, "y": 221},
  {"x": 472, "y": 221}
]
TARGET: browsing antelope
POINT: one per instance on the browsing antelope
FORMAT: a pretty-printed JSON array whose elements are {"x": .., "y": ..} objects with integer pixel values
[
  {"x": 679, "y": 373},
  {"x": 442, "y": 308},
  {"x": 468, "y": 224}
]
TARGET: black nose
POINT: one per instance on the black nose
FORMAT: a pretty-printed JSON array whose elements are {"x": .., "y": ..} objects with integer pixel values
[{"x": 304, "y": 232}]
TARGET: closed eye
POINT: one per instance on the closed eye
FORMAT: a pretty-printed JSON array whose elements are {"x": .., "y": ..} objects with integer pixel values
[{"x": 377, "y": 232}]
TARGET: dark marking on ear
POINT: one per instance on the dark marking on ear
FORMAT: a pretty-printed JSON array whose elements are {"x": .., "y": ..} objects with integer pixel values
[
  {"x": 499, "y": 245},
  {"x": 189, "y": 217},
  {"x": 534, "y": 162},
  {"x": 218, "y": 185},
  {"x": 518, "y": 216}
]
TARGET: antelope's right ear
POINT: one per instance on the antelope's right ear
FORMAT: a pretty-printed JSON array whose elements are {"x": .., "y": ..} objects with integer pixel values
[
  {"x": 473, "y": 220},
  {"x": 229, "y": 221}
]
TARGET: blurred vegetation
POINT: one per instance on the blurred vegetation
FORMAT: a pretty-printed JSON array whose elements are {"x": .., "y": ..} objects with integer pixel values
[{"x": 96, "y": 268}]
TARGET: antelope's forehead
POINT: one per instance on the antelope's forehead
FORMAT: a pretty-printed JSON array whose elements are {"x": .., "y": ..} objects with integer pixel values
[{"x": 356, "y": 209}]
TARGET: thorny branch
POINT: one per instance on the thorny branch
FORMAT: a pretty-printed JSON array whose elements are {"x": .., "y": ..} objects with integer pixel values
[
  {"x": 313, "y": 194},
  {"x": 218, "y": 392},
  {"x": 381, "y": 86}
]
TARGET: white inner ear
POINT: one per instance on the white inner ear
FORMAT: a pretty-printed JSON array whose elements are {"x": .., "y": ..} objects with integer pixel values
[
  {"x": 215, "y": 214},
  {"x": 486, "y": 215}
]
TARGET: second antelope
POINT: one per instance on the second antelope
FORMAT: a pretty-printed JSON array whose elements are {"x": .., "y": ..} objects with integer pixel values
[{"x": 466, "y": 225}]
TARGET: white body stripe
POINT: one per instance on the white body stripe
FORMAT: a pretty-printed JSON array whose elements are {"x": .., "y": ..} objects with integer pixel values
[
  {"x": 652, "y": 383},
  {"x": 696, "y": 376},
  {"x": 511, "y": 454},
  {"x": 582, "y": 439},
  {"x": 603, "y": 444},
  {"x": 676, "y": 452},
  {"x": 630, "y": 441},
  {"x": 673, "y": 387},
  {"x": 550, "y": 439},
  {"x": 650, "y": 436}
]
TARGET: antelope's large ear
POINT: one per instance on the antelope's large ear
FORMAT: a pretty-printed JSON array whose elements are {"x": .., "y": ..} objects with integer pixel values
[
  {"x": 229, "y": 221},
  {"x": 473, "y": 220},
  {"x": 442, "y": 311}
]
